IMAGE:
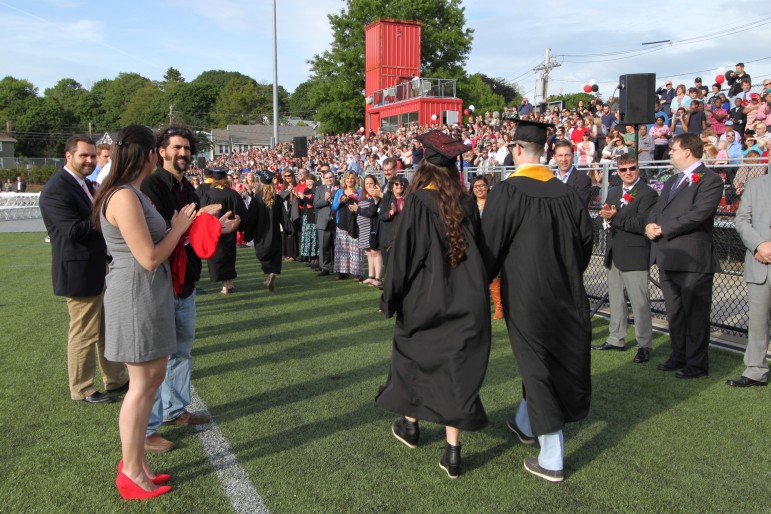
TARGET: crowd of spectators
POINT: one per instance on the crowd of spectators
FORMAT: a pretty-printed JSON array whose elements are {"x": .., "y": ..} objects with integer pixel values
[{"x": 732, "y": 122}]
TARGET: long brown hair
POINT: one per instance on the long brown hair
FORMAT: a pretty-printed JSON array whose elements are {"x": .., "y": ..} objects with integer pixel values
[
  {"x": 445, "y": 182},
  {"x": 268, "y": 193},
  {"x": 128, "y": 157}
]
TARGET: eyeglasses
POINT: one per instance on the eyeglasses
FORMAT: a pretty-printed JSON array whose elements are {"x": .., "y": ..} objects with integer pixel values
[
  {"x": 627, "y": 170},
  {"x": 480, "y": 186},
  {"x": 388, "y": 169},
  {"x": 398, "y": 185}
]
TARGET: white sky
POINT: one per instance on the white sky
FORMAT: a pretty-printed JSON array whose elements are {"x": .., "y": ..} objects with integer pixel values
[{"x": 44, "y": 41}]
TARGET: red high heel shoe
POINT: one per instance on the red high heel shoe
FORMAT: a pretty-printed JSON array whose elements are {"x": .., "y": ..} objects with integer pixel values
[
  {"x": 159, "y": 479},
  {"x": 131, "y": 491}
]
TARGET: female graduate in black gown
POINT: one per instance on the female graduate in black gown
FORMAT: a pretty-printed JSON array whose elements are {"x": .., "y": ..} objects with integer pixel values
[
  {"x": 263, "y": 225},
  {"x": 222, "y": 265},
  {"x": 436, "y": 286}
]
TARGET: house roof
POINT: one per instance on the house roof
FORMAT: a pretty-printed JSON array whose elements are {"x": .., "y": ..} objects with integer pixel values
[
  {"x": 258, "y": 134},
  {"x": 7, "y": 138}
]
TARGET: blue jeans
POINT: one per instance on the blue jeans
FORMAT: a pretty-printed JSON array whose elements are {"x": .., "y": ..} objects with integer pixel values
[{"x": 174, "y": 394}]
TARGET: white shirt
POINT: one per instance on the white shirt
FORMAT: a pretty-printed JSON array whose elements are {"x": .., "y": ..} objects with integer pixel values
[
  {"x": 81, "y": 182},
  {"x": 103, "y": 173}
]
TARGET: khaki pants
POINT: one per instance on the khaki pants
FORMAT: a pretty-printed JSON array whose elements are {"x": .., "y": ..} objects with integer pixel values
[{"x": 85, "y": 344}]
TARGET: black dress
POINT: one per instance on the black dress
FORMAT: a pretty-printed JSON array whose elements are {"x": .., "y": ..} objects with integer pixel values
[
  {"x": 222, "y": 265},
  {"x": 263, "y": 225},
  {"x": 537, "y": 233},
  {"x": 442, "y": 333}
]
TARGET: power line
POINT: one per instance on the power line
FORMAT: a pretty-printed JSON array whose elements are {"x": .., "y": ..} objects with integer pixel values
[{"x": 687, "y": 41}]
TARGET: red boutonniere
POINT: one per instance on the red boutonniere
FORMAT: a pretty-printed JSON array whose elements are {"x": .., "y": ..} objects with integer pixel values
[
  {"x": 627, "y": 198},
  {"x": 694, "y": 178}
]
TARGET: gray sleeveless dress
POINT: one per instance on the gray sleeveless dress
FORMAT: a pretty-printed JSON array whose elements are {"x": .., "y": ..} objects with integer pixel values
[{"x": 138, "y": 304}]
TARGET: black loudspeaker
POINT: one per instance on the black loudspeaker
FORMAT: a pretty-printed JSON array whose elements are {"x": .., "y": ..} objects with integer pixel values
[
  {"x": 301, "y": 146},
  {"x": 637, "y": 100}
]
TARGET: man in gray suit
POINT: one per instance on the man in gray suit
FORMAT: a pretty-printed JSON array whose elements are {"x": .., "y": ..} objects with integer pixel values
[
  {"x": 325, "y": 219},
  {"x": 753, "y": 223}
]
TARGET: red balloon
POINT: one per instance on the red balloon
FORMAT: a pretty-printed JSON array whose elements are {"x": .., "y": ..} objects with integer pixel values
[
  {"x": 720, "y": 79},
  {"x": 466, "y": 112},
  {"x": 587, "y": 88}
]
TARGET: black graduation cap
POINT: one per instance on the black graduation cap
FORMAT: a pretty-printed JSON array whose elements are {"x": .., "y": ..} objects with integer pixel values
[
  {"x": 265, "y": 177},
  {"x": 442, "y": 149},
  {"x": 218, "y": 173},
  {"x": 529, "y": 131}
]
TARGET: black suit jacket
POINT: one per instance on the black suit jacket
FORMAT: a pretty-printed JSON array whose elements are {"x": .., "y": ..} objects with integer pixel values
[
  {"x": 581, "y": 184},
  {"x": 79, "y": 256},
  {"x": 627, "y": 246},
  {"x": 686, "y": 222}
]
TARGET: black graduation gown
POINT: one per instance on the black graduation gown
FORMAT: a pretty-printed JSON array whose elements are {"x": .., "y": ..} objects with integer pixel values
[
  {"x": 263, "y": 225},
  {"x": 538, "y": 235},
  {"x": 222, "y": 265},
  {"x": 442, "y": 333}
]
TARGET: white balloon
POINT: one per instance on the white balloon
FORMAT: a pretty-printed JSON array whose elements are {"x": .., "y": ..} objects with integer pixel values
[
  {"x": 434, "y": 117},
  {"x": 592, "y": 82},
  {"x": 471, "y": 108},
  {"x": 721, "y": 70}
]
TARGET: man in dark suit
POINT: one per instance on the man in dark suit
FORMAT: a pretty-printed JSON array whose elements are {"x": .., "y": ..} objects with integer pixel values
[
  {"x": 627, "y": 257},
  {"x": 78, "y": 266},
  {"x": 21, "y": 185},
  {"x": 680, "y": 227},
  {"x": 568, "y": 174},
  {"x": 325, "y": 219}
]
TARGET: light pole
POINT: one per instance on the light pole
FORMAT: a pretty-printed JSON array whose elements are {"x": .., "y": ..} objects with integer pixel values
[{"x": 275, "y": 79}]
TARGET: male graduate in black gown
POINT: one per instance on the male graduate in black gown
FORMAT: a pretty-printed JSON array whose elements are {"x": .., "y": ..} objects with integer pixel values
[{"x": 536, "y": 232}]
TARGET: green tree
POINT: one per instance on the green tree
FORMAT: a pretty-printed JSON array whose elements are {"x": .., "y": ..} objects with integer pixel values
[
  {"x": 112, "y": 96},
  {"x": 75, "y": 102},
  {"x": 338, "y": 73},
  {"x": 144, "y": 107},
  {"x": 299, "y": 103},
  {"x": 239, "y": 102},
  {"x": 171, "y": 79},
  {"x": 192, "y": 103}
]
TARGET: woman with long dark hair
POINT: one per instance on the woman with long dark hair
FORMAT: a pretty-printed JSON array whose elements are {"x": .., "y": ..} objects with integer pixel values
[
  {"x": 264, "y": 220},
  {"x": 138, "y": 300},
  {"x": 436, "y": 285}
]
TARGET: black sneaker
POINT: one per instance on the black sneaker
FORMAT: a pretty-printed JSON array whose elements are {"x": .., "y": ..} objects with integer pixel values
[
  {"x": 406, "y": 431},
  {"x": 511, "y": 422},
  {"x": 451, "y": 460}
]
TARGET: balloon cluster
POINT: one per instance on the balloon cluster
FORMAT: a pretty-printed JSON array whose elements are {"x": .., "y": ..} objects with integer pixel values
[
  {"x": 469, "y": 111},
  {"x": 591, "y": 87},
  {"x": 723, "y": 75}
]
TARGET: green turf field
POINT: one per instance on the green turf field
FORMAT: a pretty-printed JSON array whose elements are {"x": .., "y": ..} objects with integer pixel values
[{"x": 290, "y": 379}]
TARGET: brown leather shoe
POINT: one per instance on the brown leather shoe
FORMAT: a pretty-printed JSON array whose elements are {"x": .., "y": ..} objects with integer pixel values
[
  {"x": 157, "y": 444},
  {"x": 189, "y": 418}
]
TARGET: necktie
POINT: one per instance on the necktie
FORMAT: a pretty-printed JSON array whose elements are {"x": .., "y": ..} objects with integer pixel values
[
  {"x": 677, "y": 186},
  {"x": 88, "y": 193}
]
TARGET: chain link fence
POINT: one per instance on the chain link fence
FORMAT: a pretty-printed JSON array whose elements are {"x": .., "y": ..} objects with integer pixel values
[{"x": 729, "y": 291}]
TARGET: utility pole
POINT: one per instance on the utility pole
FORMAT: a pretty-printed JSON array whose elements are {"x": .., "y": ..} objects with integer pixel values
[
  {"x": 548, "y": 64},
  {"x": 275, "y": 79}
]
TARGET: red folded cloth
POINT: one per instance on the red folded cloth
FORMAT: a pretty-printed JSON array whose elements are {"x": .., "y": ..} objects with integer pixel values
[{"x": 202, "y": 235}]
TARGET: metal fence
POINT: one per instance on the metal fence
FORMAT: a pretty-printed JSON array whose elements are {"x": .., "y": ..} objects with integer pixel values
[
  {"x": 19, "y": 206},
  {"x": 729, "y": 291}
]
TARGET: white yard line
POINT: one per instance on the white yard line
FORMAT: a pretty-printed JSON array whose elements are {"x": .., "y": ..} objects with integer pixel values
[{"x": 238, "y": 487}]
